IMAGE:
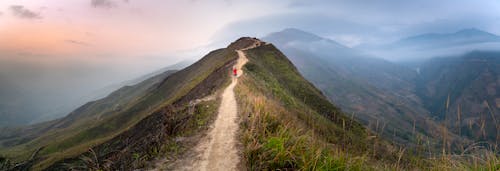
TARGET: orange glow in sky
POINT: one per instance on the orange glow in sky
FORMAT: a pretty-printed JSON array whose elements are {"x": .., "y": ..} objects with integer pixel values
[{"x": 61, "y": 29}]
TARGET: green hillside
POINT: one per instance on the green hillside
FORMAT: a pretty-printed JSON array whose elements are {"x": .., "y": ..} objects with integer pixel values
[
  {"x": 100, "y": 121},
  {"x": 378, "y": 93},
  {"x": 286, "y": 123},
  {"x": 289, "y": 124}
]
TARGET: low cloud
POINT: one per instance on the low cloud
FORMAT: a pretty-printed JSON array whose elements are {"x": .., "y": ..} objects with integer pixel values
[
  {"x": 21, "y": 12},
  {"x": 103, "y": 4},
  {"x": 76, "y": 42}
]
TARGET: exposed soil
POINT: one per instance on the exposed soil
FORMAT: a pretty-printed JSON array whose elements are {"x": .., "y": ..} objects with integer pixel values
[{"x": 219, "y": 149}]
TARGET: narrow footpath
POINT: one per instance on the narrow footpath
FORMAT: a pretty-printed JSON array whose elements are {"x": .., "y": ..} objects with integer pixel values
[{"x": 218, "y": 150}]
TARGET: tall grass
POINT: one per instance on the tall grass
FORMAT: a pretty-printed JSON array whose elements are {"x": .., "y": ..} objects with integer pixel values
[
  {"x": 274, "y": 139},
  {"x": 477, "y": 156},
  {"x": 473, "y": 156},
  {"x": 281, "y": 131}
]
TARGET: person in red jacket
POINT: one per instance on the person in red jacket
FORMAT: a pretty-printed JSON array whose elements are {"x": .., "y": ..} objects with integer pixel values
[{"x": 235, "y": 72}]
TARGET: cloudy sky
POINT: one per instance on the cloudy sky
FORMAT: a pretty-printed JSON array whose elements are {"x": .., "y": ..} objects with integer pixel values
[
  {"x": 105, "y": 31},
  {"x": 100, "y": 30},
  {"x": 87, "y": 44}
]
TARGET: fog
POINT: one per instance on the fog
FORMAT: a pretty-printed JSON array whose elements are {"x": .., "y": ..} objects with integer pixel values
[
  {"x": 405, "y": 55},
  {"x": 34, "y": 92},
  {"x": 57, "y": 55}
]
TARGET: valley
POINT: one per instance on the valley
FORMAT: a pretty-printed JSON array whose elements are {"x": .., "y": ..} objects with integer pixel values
[
  {"x": 269, "y": 116},
  {"x": 322, "y": 85},
  {"x": 395, "y": 99}
]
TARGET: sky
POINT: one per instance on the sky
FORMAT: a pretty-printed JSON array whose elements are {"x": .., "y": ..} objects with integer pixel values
[
  {"x": 108, "y": 31},
  {"x": 63, "y": 46}
]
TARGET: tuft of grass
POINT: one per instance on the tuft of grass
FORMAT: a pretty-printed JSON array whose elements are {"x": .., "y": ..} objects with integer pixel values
[
  {"x": 287, "y": 124},
  {"x": 100, "y": 121},
  {"x": 274, "y": 139}
]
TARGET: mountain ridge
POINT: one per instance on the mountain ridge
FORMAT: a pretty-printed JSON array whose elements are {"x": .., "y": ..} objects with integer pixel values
[
  {"x": 461, "y": 37},
  {"x": 408, "y": 103},
  {"x": 421, "y": 47},
  {"x": 372, "y": 89},
  {"x": 285, "y": 121},
  {"x": 105, "y": 119}
]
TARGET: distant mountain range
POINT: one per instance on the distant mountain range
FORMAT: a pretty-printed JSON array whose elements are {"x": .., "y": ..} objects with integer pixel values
[
  {"x": 424, "y": 46},
  {"x": 135, "y": 124},
  {"x": 436, "y": 40},
  {"x": 379, "y": 92},
  {"x": 386, "y": 112},
  {"x": 138, "y": 110}
]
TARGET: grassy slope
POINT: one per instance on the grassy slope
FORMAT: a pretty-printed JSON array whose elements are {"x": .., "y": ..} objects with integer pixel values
[
  {"x": 377, "y": 92},
  {"x": 85, "y": 114},
  {"x": 19, "y": 147},
  {"x": 289, "y": 124},
  {"x": 369, "y": 104},
  {"x": 165, "y": 133},
  {"x": 98, "y": 122}
]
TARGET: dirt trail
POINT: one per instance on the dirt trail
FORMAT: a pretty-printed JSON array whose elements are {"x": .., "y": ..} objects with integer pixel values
[{"x": 218, "y": 150}]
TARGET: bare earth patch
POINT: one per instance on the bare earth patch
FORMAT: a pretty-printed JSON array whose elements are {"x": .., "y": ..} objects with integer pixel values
[{"x": 219, "y": 149}]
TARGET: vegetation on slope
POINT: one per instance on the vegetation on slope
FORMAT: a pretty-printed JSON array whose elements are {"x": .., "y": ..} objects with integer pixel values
[
  {"x": 288, "y": 124},
  {"x": 98, "y": 122},
  {"x": 386, "y": 97},
  {"x": 378, "y": 93},
  {"x": 282, "y": 128}
]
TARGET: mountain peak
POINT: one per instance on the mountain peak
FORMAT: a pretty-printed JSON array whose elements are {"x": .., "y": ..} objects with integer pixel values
[
  {"x": 290, "y": 34},
  {"x": 474, "y": 32},
  {"x": 244, "y": 42},
  {"x": 297, "y": 31}
]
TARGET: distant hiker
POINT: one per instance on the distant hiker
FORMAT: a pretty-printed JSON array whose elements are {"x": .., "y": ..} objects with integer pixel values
[{"x": 235, "y": 72}]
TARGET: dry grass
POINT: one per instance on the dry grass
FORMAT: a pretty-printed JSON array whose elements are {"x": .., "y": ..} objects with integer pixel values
[
  {"x": 275, "y": 138},
  {"x": 282, "y": 132}
]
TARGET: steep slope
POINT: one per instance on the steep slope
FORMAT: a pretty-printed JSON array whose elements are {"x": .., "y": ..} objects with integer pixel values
[
  {"x": 219, "y": 149},
  {"x": 377, "y": 92},
  {"x": 463, "y": 92},
  {"x": 346, "y": 61},
  {"x": 103, "y": 92},
  {"x": 90, "y": 111},
  {"x": 285, "y": 123},
  {"x": 285, "y": 126},
  {"x": 132, "y": 114},
  {"x": 288, "y": 124}
]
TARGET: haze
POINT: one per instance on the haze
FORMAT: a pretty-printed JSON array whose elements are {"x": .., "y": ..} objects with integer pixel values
[{"x": 56, "y": 55}]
